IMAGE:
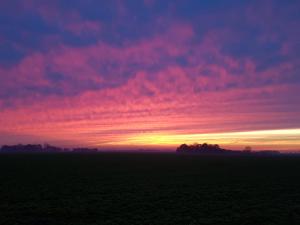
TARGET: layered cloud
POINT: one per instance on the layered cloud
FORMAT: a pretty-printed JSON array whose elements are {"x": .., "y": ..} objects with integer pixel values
[{"x": 121, "y": 74}]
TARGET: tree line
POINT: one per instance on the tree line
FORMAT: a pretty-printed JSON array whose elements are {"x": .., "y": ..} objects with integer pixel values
[
  {"x": 41, "y": 148},
  {"x": 216, "y": 149}
]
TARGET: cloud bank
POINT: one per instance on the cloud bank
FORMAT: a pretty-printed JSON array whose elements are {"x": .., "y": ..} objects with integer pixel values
[{"x": 133, "y": 73}]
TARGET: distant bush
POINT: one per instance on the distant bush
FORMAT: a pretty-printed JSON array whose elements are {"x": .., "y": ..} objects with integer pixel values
[{"x": 200, "y": 148}]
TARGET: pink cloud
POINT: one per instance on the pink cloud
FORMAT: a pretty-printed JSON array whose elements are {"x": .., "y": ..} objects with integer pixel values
[{"x": 176, "y": 98}]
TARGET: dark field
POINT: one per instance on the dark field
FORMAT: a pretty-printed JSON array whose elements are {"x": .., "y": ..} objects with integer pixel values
[{"x": 148, "y": 189}]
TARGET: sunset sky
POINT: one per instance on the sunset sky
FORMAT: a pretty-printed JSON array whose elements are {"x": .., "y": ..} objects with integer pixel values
[{"x": 150, "y": 73}]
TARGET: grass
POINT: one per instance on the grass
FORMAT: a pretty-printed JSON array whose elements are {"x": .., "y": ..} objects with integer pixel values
[{"x": 148, "y": 189}]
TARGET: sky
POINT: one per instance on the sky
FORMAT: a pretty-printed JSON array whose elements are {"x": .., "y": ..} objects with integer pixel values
[{"x": 153, "y": 74}]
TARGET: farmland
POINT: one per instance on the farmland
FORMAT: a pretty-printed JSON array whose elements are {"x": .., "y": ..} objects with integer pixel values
[{"x": 148, "y": 189}]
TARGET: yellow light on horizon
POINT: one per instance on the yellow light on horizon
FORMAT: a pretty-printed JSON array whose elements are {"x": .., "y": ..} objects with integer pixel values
[{"x": 275, "y": 139}]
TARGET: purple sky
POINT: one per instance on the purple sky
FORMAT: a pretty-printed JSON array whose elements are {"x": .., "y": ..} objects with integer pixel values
[{"x": 152, "y": 73}]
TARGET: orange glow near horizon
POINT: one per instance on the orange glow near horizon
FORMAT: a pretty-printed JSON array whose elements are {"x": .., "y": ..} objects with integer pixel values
[
  {"x": 157, "y": 126},
  {"x": 73, "y": 126},
  {"x": 284, "y": 139}
]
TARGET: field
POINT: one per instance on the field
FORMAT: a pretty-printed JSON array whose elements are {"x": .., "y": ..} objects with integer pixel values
[{"x": 148, "y": 189}]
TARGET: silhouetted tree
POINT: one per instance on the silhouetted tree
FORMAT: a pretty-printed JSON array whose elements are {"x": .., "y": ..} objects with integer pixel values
[
  {"x": 247, "y": 149},
  {"x": 198, "y": 148}
]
